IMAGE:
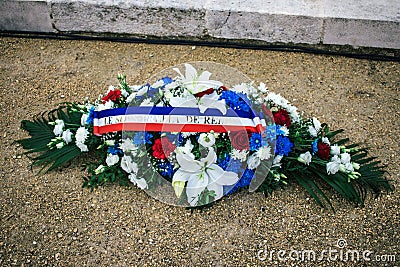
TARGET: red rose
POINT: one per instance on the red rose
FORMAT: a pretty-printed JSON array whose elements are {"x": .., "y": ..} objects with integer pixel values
[
  {"x": 239, "y": 140},
  {"x": 206, "y": 92},
  {"x": 162, "y": 148},
  {"x": 281, "y": 117},
  {"x": 112, "y": 95},
  {"x": 323, "y": 150}
]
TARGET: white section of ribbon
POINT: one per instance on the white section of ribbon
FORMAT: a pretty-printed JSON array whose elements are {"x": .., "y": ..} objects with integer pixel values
[{"x": 179, "y": 119}]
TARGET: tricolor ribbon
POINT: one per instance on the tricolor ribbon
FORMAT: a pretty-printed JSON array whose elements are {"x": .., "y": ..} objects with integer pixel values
[{"x": 170, "y": 119}]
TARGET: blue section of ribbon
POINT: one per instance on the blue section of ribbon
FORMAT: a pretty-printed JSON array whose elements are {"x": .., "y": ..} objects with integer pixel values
[{"x": 172, "y": 111}]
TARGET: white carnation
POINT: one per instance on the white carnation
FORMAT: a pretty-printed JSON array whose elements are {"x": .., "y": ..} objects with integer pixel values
[
  {"x": 82, "y": 146},
  {"x": 284, "y": 130},
  {"x": 345, "y": 158},
  {"x": 239, "y": 154},
  {"x": 253, "y": 162},
  {"x": 108, "y": 105},
  {"x": 81, "y": 134},
  {"x": 141, "y": 183},
  {"x": 128, "y": 165},
  {"x": 335, "y": 150},
  {"x": 84, "y": 118},
  {"x": 112, "y": 159},
  {"x": 349, "y": 167},
  {"x": 264, "y": 152},
  {"x": 127, "y": 146},
  {"x": 277, "y": 161},
  {"x": 332, "y": 167},
  {"x": 305, "y": 158},
  {"x": 263, "y": 88},
  {"x": 241, "y": 88},
  {"x": 58, "y": 128},
  {"x": 325, "y": 140},
  {"x": 67, "y": 136}
]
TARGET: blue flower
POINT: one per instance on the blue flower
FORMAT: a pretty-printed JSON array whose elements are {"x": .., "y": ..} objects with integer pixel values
[
  {"x": 114, "y": 150},
  {"x": 167, "y": 80},
  {"x": 152, "y": 92},
  {"x": 283, "y": 145},
  {"x": 236, "y": 101},
  {"x": 244, "y": 181},
  {"x": 279, "y": 130},
  {"x": 270, "y": 132},
  {"x": 255, "y": 141},
  {"x": 181, "y": 140},
  {"x": 142, "y": 138},
  {"x": 223, "y": 161},
  {"x": 90, "y": 117},
  {"x": 245, "y": 102},
  {"x": 234, "y": 166},
  {"x": 315, "y": 146},
  {"x": 166, "y": 168}
]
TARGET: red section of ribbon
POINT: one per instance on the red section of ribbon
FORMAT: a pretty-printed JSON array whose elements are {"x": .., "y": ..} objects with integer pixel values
[{"x": 159, "y": 127}]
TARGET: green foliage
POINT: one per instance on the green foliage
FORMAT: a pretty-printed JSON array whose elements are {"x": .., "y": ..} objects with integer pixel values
[
  {"x": 314, "y": 176},
  {"x": 112, "y": 174},
  {"x": 41, "y": 134},
  {"x": 206, "y": 197}
]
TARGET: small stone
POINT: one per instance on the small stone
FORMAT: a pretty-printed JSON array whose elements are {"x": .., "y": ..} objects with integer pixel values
[{"x": 59, "y": 235}]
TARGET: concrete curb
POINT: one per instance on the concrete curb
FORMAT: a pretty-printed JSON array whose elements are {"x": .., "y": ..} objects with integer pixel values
[{"x": 367, "y": 23}]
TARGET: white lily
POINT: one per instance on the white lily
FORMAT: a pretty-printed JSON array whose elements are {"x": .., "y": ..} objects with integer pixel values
[
  {"x": 195, "y": 82},
  {"x": 211, "y": 101},
  {"x": 201, "y": 174},
  {"x": 187, "y": 100}
]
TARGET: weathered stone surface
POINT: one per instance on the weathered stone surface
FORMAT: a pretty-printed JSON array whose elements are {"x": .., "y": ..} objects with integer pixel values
[
  {"x": 367, "y": 23},
  {"x": 362, "y": 33},
  {"x": 25, "y": 16},
  {"x": 130, "y": 18},
  {"x": 266, "y": 27}
]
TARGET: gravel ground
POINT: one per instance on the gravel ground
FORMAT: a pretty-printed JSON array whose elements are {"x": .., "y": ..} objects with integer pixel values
[{"x": 50, "y": 220}]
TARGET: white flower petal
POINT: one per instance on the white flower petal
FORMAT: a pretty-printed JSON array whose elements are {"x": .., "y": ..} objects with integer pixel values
[
  {"x": 194, "y": 187},
  {"x": 190, "y": 72},
  {"x": 181, "y": 176},
  {"x": 218, "y": 175},
  {"x": 188, "y": 163},
  {"x": 211, "y": 157},
  {"x": 141, "y": 183}
]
